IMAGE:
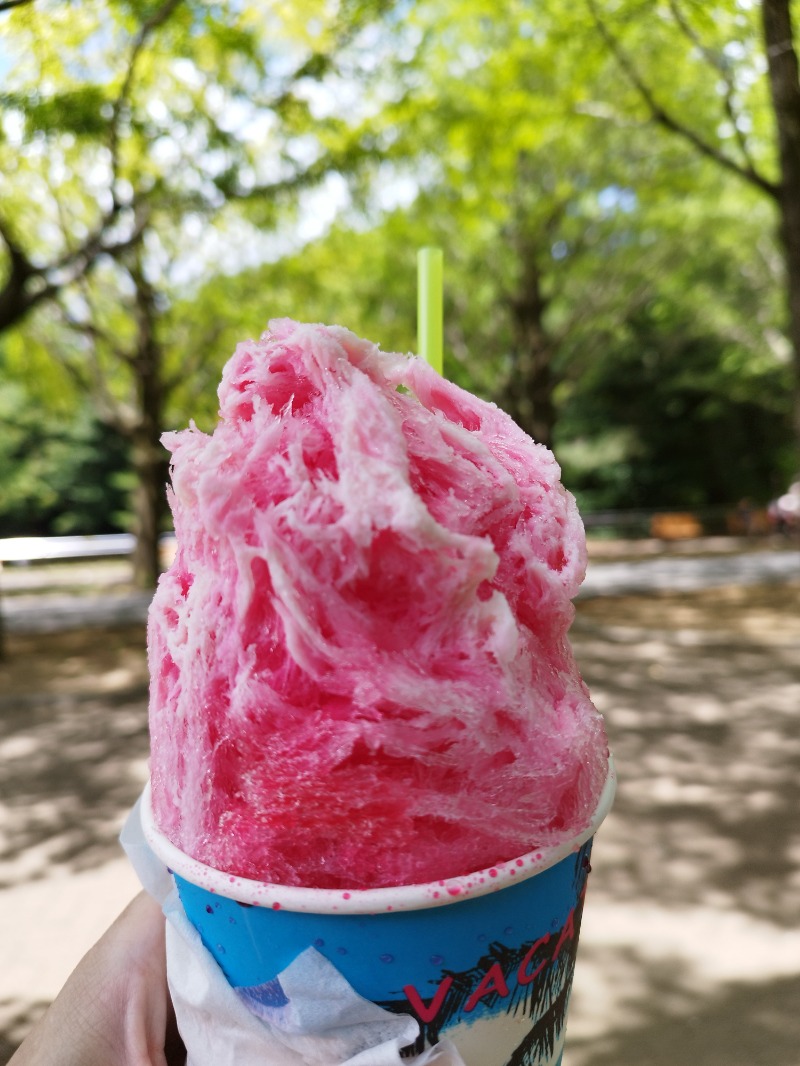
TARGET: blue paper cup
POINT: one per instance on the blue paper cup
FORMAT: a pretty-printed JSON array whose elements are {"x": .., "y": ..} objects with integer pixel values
[{"x": 485, "y": 960}]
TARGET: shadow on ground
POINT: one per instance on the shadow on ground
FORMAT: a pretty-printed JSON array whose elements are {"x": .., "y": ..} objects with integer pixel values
[
  {"x": 694, "y": 954},
  {"x": 16, "y": 1020},
  {"x": 73, "y": 745},
  {"x": 692, "y": 946},
  {"x": 742, "y": 1025},
  {"x": 703, "y": 713}
]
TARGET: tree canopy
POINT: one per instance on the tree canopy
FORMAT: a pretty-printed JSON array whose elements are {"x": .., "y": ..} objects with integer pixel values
[
  {"x": 147, "y": 146},
  {"x": 605, "y": 181}
]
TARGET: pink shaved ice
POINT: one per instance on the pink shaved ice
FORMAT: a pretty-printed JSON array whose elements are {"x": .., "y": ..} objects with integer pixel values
[{"x": 359, "y": 658}]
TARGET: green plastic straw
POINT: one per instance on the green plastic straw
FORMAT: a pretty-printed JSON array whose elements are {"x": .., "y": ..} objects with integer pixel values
[{"x": 429, "y": 306}]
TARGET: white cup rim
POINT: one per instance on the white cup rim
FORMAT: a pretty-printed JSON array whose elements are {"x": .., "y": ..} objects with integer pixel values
[{"x": 369, "y": 900}]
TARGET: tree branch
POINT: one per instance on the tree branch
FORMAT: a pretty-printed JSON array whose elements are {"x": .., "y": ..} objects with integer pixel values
[
  {"x": 90, "y": 378},
  {"x": 669, "y": 122},
  {"x": 17, "y": 297},
  {"x": 148, "y": 27},
  {"x": 6, "y": 5},
  {"x": 316, "y": 65},
  {"x": 20, "y": 264},
  {"x": 95, "y": 245},
  {"x": 723, "y": 69},
  {"x": 330, "y": 162}
]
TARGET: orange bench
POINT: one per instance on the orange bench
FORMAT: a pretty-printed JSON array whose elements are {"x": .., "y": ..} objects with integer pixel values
[{"x": 675, "y": 526}]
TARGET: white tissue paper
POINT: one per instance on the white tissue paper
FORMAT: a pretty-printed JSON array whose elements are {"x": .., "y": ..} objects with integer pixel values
[{"x": 325, "y": 1022}]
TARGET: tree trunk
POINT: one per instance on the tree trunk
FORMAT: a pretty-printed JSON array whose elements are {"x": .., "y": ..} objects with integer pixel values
[
  {"x": 149, "y": 457},
  {"x": 150, "y": 469},
  {"x": 785, "y": 88},
  {"x": 16, "y": 298},
  {"x": 529, "y": 390}
]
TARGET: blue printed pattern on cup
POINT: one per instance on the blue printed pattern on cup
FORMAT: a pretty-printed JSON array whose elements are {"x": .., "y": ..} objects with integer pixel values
[{"x": 509, "y": 954}]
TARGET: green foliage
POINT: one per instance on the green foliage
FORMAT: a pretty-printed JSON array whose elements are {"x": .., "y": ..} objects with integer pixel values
[
  {"x": 365, "y": 281},
  {"x": 138, "y": 134},
  {"x": 59, "y": 476},
  {"x": 701, "y": 66},
  {"x": 671, "y": 417},
  {"x": 77, "y": 111},
  {"x": 506, "y": 134},
  {"x": 529, "y": 148}
]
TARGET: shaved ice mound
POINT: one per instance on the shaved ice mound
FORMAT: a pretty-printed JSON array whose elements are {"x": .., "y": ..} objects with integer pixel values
[{"x": 359, "y": 659}]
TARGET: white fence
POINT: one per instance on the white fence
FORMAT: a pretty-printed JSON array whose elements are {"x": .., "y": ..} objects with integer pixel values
[{"x": 41, "y": 549}]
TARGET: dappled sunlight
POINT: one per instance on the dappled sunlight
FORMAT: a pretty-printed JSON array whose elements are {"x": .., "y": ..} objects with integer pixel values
[
  {"x": 73, "y": 747},
  {"x": 16, "y": 1021},
  {"x": 641, "y": 1010},
  {"x": 40, "y": 668},
  {"x": 691, "y": 938}
]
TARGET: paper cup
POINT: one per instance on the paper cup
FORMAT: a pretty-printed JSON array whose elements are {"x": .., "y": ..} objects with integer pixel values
[{"x": 485, "y": 960}]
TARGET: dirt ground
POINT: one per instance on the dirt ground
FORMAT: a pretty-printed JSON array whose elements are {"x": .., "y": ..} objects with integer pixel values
[{"x": 690, "y": 951}]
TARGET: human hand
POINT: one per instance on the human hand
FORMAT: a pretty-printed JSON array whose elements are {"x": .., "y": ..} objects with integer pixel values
[{"x": 115, "y": 1009}]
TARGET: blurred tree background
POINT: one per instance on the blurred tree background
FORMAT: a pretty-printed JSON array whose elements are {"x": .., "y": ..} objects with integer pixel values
[{"x": 613, "y": 185}]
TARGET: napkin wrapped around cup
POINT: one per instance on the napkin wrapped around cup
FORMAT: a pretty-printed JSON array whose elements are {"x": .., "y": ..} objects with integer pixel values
[{"x": 320, "y": 1021}]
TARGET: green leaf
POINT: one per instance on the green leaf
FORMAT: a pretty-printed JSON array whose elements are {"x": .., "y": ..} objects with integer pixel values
[{"x": 82, "y": 112}]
